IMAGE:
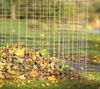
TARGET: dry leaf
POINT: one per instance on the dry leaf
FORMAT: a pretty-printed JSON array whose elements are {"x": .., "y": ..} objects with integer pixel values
[
  {"x": 1, "y": 83},
  {"x": 20, "y": 52},
  {"x": 52, "y": 78},
  {"x": 1, "y": 76},
  {"x": 33, "y": 73},
  {"x": 90, "y": 77}
]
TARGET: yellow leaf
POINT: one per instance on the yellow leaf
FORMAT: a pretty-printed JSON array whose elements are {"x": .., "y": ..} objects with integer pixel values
[
  {"x": 11, "y": 51},
  {"x": 30, "y": 59},
  {"x": 94, "y": 61},
  {"x": 1, "y": 65},
  {"x": 28, "y": 81},
  {"x": 33, "y": 73},
  {"x": 47, "y": 84},
  {"x": 52, "y": 78},
  {"x": 8, "y": 66},
  {"x": 21, "y": 59},
  {"x": 22, "y": 77},
  {"x": 90, "y": 77},
  {"x": 1, "y": 76},
  {"x": 20, "y": 52},
  {"x": 1, "y": 83},
  {"x": 12, "y": 71},
  {"x": 3, "y": 54}
]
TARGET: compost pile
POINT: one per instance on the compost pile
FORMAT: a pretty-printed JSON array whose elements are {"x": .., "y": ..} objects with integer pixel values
[{"x": 18, "y": 62}]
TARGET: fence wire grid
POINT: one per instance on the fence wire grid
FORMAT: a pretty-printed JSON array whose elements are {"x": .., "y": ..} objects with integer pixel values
[{"x": 58, "y": 26}]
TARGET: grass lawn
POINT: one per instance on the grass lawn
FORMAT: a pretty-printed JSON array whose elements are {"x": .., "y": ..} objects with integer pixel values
[
  {"x": 37, "y": 38},
  {"x": 13, "y": 31},
  {"x": 66, "y": 84},
  {"x": 94, "y": 45},
  {"x": 95, "y": 74}
]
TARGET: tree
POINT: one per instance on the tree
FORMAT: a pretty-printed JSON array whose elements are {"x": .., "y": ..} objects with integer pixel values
[
  {"x": 13, "y": 9},
  {"x": 41, "y": 9},
  {"x": 13, "y": 6},
  {"x": 94, "y": 10}
]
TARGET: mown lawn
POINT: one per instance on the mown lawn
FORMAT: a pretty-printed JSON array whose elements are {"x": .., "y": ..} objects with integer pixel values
[
  {"x": 93, "y": 45},
  {"x": 96, "y": 75},
  {"x": 14, "y": 31},
  {"x": 67, "y": 84},
  {"x": 18, "y": 30}
]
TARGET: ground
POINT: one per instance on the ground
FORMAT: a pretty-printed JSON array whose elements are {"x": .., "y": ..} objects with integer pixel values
[
  {"x": 67, "y": 84},
  {"x": 94, "y": 52}
]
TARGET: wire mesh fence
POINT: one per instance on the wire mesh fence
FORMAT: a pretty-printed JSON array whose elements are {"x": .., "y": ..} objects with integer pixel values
[{"x": 56, "y": 26}]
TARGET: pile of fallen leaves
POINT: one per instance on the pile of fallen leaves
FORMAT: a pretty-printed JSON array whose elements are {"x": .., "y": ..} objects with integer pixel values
[
  {"x": 95, "y": 60},
  {"x": 18, "y": 62}
]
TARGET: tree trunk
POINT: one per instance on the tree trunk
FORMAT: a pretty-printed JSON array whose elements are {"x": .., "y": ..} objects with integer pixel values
[{"x": 13, "y": 11}]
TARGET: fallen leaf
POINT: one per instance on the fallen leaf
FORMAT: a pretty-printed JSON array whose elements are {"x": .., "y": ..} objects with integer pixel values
[
  {"x": 33, "y": 73},
  {"x": 1, "y": 83},
  {"x": 20, "y": 52},
  {"x": 52, "y": 78}
]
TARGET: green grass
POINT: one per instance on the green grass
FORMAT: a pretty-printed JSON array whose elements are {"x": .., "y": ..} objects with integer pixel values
[
  {"x": 39, "y": 38},
  {"x": 44, "y": 84},
  {"x": 95, "y": 74},
  {"x": 93, "y": 45},
  {"x": 35, "y": 84},
  {"x": 18, "y": 30}
]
